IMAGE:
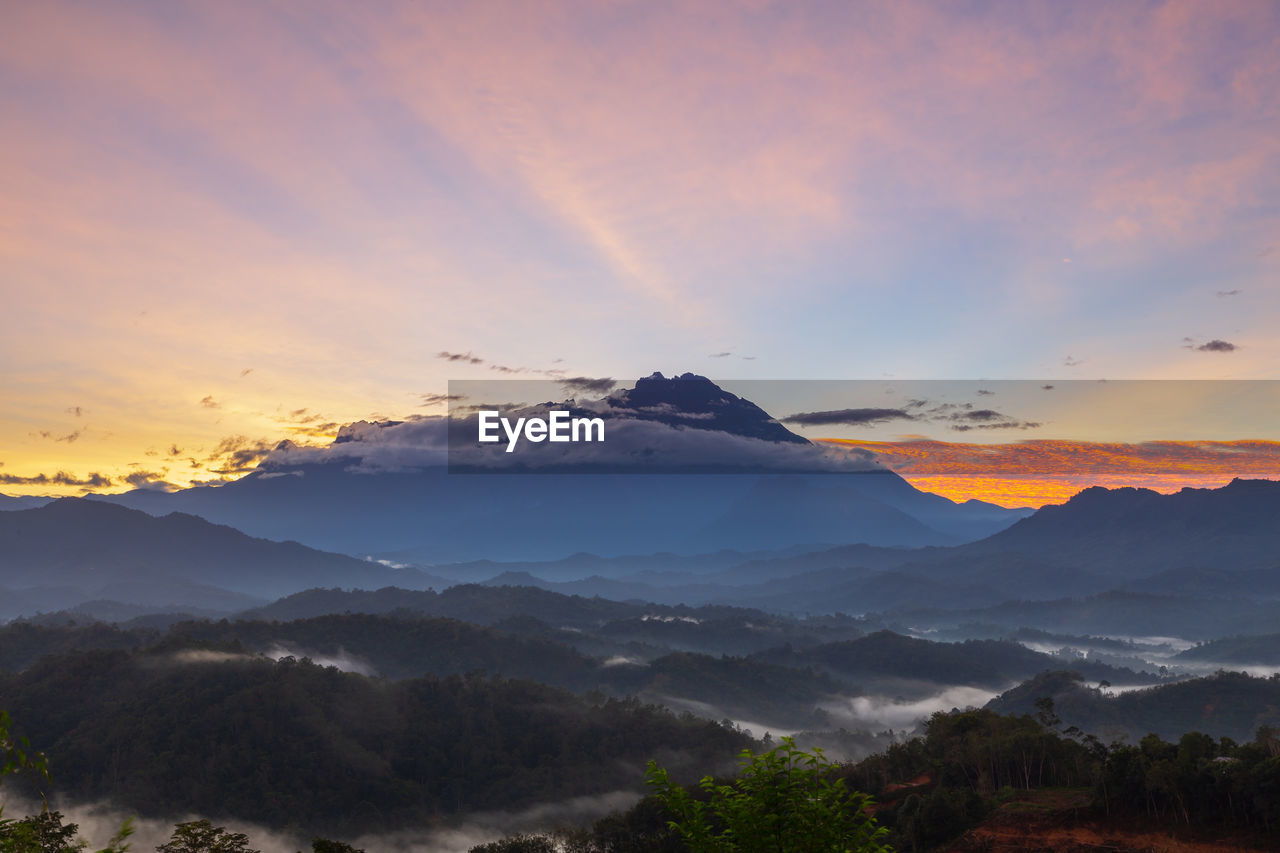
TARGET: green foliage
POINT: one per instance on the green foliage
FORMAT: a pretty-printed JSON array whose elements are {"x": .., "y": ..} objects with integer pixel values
[
  {"x": 783, "y": 800},
  {"x": 296, "y": 743},
  {"x": 40, "y": 833},
  {"x": 518, "y": 844},
  {"x": 201, "y": 836},
  {"x": 16, "y": 755},
  {"x": 44, "y": 832}
]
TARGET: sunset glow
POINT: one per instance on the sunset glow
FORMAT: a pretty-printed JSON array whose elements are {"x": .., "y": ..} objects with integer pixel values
[{"x": 1046, "y": 471}]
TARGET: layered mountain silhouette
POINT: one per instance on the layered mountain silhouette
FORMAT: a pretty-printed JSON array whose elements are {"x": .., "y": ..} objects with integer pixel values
[
  {"x": 383, "y": 490},
  {"x": 1174, "y": 559},
  {"x": 74, "y": 550},
  {"x": 861, "y": 540},
  {"x": 1131, "y": 533}
]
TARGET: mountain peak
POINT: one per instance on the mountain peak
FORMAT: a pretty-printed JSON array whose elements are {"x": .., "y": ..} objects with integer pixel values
[{"x": 695, "y": 402}]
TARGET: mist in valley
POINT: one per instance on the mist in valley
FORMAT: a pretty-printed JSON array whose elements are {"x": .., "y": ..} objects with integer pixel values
[{"x": 99, "y": 823}]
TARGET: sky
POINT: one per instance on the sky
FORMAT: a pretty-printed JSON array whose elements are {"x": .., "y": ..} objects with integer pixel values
[{"x": 227, "y": 224}]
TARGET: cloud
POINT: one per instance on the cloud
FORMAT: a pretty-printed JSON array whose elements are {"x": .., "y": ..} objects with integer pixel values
[
  {"x": 848, "y": 417},
  {"x": 636, "y": 443},
  {"x": 304, "y": 422},
  {"x": 632, "y": 444},
  {"x": 476, "y": 828},
  {"x": 1216, "y": 345},
  {"x": 69, "y": 438},
  {"x": 342, "y": 659},
  {"x": 961, "y": 417},
  {"x": 1039, "y": 471},
  {"x": 62, "y": 478},
  {"x": 463, "y": 357},
  {"x": 584, "y": 384},
  {"x": 987, "y": 419},
  {"x": 468, "y": 358},
  {"x": 205, "y": 656},
  {"x": 877, "y": 712},
  {"x": 210, "y": 403},
  {"x": 437, "y": 399},
  {"x": 370, "y": 447},
  {"x": 238, "y": 454},
  {"x": 514, "y": 371},
  {"x": 100, "y": 821},
  {"x": 149, "y": 480}
]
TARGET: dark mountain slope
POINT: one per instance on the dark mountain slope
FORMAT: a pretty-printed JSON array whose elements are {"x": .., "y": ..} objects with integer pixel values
[
  {"x": 96, "y": 546},
  {"x": 1228, "y": 704},
  {"x": 1131, "y": 533}
]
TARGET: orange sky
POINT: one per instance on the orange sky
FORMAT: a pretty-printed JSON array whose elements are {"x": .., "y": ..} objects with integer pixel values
[{"x": 1044, "y": 471}]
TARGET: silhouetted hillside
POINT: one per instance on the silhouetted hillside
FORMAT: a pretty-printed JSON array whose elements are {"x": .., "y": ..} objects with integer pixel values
[
  {"x": 295, "y": 744},
  {"x": 1228, "y": 704},
  {"x": 108, "y": 551}
]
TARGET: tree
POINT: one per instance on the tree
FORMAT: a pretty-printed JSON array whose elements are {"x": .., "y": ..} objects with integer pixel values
[
  {"x": 45, "y": 832},
  {"x": 16, "y": 755},
  {"x": 783, "y": 801},
  {"x": 40, "y": 833},
  {"x": 201, "y": 836},
  {"x": 518, "y": 844}
]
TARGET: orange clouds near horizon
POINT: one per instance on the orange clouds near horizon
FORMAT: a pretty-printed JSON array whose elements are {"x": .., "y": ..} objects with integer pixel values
[{"x": 1048, "y": 471}]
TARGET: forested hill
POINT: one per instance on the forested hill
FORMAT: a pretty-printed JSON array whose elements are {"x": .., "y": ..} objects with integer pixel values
[
  {"x": 1228, "y": 704},
  {"x": 297, "y": 744},
  {"x": 781, "y": 686}
]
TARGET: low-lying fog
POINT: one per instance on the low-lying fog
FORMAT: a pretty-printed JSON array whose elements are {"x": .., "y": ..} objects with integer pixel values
[
  {"x": 99, "y": 823},
  {"x": 868, "y": 713},
  {"x": 877, "y": 713}
]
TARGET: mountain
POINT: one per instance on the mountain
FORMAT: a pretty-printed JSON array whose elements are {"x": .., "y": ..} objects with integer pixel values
[
  {"x": 88, "y": 549},
  {"x": 887, "y": 656},
  {"x": 1227, "y": 704},
  {"x": 384, "y": 490},
  {"x": 780, "y": 511},
  {"x": 695, "y": 402},
  {"x": 1132, "y": 533},
  {"x": 1186, "y": 547},
  {"x": 24, "y": 502},
  {"x": 1255, "y": 650},
  {"x": 304, "y": 746},
  {"x": 1116, "y": 614}
]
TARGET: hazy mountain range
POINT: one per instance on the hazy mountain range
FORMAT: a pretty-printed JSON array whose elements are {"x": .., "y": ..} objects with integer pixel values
[
  {"x": 385, "y": 490},
  {"x": 857, "y": 540},
  {"x": 73, "y": 551}
]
